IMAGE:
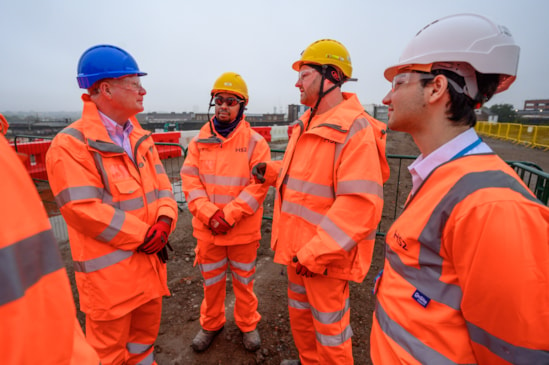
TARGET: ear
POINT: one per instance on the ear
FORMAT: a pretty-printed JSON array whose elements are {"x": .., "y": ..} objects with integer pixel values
[
  {"x": 437, "y": 88},
  {"x": 105, "y": 89}
]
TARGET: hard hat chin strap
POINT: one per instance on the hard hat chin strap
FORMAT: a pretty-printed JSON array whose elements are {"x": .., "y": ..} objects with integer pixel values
[{"x": 321, "y": 92}]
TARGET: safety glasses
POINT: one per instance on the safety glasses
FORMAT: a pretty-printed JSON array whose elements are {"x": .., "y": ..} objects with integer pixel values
[
  {"x": 404, "y": 78},
  {"x": 230, "y": 101}
]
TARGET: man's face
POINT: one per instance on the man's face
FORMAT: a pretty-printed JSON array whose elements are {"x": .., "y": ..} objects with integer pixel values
[
  {"x": 127, "y": 94},
  {"x": 227, "y": 107},
  {"x": 308, "y": 83},
  {"x": 406, "y": 103}
]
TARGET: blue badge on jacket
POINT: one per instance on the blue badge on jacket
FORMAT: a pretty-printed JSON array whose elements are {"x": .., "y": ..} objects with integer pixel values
[{"x": 421, "y": 298}]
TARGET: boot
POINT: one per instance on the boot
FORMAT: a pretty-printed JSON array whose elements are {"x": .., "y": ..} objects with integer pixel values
[
  {"x": 290, "y": 362},
  {"x": 203, "y": 339},
  {"x": 251, "y": 340}
]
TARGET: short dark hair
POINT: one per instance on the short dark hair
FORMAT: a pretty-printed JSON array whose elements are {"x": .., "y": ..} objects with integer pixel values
[{"x": 461, "y": 108}]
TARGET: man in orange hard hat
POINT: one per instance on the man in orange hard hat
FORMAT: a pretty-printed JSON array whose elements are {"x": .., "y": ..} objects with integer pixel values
[
  {"x": 328, "y": 204},
  {"x": 227, "y": 210},
  {"x": 466, "y": 274},
  {"x": 37, "y": 313},
  {"x": 117, "y": 200}
]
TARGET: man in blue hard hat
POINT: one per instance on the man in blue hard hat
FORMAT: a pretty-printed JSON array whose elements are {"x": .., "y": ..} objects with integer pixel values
[{"x": 117, "y": 200}]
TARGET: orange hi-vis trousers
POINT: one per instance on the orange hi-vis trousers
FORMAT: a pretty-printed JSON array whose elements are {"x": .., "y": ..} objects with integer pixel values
[
  {"x": 320, "y": 319},
  {"x": 213, "y": 261},
  {"x": 128, "y": 340}
]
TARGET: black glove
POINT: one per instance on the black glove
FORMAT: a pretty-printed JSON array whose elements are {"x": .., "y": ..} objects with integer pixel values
[
  {"x": 258, "y": 171},
  {"x": 163, "y": 253}
]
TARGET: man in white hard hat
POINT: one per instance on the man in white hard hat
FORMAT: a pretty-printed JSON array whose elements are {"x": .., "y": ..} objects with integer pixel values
[{"x": 466, "y": 275}]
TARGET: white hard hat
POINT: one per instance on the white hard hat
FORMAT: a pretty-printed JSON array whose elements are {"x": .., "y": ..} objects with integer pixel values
[{"x": 451, "y": 41}]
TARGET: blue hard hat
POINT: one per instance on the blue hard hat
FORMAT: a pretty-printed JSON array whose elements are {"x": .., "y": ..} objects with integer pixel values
[{"x": 104, "y": 62}]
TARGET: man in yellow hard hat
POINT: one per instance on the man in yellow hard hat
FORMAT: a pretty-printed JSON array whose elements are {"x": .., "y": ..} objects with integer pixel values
[
  {"x": 328, "y": 204},
  {"x": 227, "y": 210}
]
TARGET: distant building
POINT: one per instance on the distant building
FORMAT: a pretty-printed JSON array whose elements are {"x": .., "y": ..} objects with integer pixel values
[
  {"x": 538, "y": 105},
  {"x": 295, "y": 111}
]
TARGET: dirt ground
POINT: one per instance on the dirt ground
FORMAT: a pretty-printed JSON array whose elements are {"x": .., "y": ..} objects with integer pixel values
[{"x": 181, "y": 310}]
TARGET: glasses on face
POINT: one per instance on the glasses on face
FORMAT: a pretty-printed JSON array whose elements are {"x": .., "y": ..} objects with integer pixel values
[
  {"x": 131, "y": 85},
  {"x": 230, "y": 101},
  {"x": 303, "y": 74},
  {"x": 404, "y": 78}
]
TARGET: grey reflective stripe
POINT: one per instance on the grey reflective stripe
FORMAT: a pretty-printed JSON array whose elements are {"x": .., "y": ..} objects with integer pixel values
[
  {"x": 221, "y": 199},
  {"x": 105, "y": 146},
  {"x": 337, "y": 234},
  {"x": 194, "y": 194},
  {"x": 215, "y": 279},
  {"x": 78, "y": 193},
  {"x": 244, "y": 266},
  {"x": 296, "y": 288},
  {"x": 211, "y": 140},
  {"x": 308, "y": 187},
  {"x": 360, "y": 186},
  {"x": 249, "y": 200},
  {"x": 74, "y": 133},
  {"x": 101, "y": 262},
  {"x": 426, "y": 280},
  {"x": 189, "y": 170},
  {"x": 297, "y": 304},
  {"x": 165, "y": 193},
  {"x": 125, "y": 205},
  {"x": 98, "y": 159},
  {"x": 242, "y": 279},
  {"x": 335, "y": 340},
  {"x": 26, "y": 262},
  {"x": 147, "y": 360},
  {"x": 330, "y": 317},
  {"x": 159, "y": 169},
  {"x": 114, "y": 226},
  {"x": 301, "y": 211},
  {"x": 213, "y": 266},
  {"x": 419, "y": 351},
  {"x": 358, "y": 125},
  {"x": 137, "y": 348},
  {"x": 513, "y": 354},
  {"x": 225, "y": 180},
  {"x": 254, "y": 138}
]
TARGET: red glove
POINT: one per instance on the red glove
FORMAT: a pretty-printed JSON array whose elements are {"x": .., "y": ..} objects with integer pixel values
[
  {"x": 218, "y": 224},
  {"x": 156, "y": 238},
  {"x": 302, "y": 270}
]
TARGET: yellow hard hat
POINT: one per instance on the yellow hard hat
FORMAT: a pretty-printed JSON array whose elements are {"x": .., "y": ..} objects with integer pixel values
[
  {"x": 326, "y": 52},
  {"x": 231, "y": 82}
]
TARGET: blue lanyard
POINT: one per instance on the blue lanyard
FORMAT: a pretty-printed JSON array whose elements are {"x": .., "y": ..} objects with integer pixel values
[{"x": 468, "y": 148}]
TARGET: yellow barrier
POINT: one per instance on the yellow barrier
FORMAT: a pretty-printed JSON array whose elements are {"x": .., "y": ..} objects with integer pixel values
[{"x": 529, "y": 135}]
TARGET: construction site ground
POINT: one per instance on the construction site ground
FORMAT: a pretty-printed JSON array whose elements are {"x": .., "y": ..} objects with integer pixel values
[{"x": 180, "y": 317}]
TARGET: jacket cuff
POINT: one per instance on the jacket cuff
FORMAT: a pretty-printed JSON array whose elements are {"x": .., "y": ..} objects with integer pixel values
[
  {"x": 307, "y": 258},
  {"x": 232, "y": 215}
]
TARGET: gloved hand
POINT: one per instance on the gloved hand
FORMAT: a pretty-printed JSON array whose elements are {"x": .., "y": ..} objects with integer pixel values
[
  {"x": 156, "y": 238},
  {"x": 163, "y": 253},
  {"x": 258, "y": 171},
  {"x": 302, "y": 270},
  {"x": 218, "y": 224}
]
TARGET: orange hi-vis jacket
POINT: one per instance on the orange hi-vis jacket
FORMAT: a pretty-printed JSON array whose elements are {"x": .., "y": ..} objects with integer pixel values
[
  {"x": 38, "y": 322},
  {"x": 331, "y": 183},
  {"x": 109, "y": 202},
  {"x": 216, "y": 175},
  {"x": 466, "y": 276}
]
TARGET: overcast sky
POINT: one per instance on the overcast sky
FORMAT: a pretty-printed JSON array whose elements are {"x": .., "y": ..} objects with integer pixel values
[{"x": 185, "y": 45}]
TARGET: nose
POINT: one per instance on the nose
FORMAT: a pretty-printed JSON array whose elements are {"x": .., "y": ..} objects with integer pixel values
[{"x": 387, "y": 99}]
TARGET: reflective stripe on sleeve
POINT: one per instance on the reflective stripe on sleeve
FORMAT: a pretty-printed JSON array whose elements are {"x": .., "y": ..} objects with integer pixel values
[
  {"x": 24, "y": 263},
  {"x": 101, "y": 262}
]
